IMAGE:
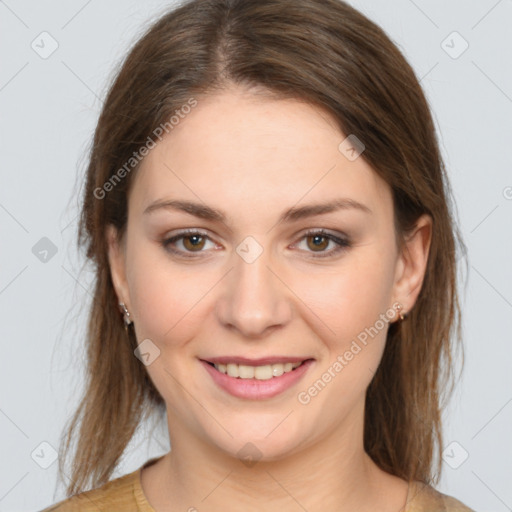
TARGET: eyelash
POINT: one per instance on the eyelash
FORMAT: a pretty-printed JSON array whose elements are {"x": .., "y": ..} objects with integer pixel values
[{"x": 342, "y": 243}]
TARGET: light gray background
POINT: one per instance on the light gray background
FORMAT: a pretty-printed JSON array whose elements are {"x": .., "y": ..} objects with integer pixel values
[{"x": 49, "y": 107}]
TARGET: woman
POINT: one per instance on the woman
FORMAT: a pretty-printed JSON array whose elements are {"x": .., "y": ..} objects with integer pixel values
[{"x": 269, "y": 216}]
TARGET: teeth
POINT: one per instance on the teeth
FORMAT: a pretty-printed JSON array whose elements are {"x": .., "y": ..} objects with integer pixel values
[{"x": 265, "y": 372}]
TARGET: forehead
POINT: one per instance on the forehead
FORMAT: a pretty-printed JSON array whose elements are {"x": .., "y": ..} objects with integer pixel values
[{"x": 244, "y": 151}]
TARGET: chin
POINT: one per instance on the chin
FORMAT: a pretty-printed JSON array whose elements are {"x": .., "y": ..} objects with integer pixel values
[{"x": 258, "y": 438}]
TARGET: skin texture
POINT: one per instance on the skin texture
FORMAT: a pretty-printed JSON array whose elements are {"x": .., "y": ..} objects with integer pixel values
[{"x": 253, "y": 158}]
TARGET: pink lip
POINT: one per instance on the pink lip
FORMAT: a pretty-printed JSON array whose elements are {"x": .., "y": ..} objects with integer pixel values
[{"x": 254, "y": 389}]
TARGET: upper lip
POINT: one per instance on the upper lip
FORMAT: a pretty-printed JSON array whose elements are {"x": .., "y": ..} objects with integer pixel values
[{"x": 262, "y": 361}]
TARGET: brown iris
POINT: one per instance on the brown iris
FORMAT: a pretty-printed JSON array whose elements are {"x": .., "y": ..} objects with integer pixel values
[
  {"x": 316, "y": 245},
  {"x": 197, "y": 242}
]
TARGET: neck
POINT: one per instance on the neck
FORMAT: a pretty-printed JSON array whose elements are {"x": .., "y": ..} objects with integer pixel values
[{"x": 333, "y": 474}]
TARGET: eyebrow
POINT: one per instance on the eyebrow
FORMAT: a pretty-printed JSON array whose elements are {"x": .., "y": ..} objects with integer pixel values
[{"x": 205, "y": 212}]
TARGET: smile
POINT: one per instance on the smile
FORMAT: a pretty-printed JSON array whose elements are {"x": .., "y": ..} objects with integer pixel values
[
  {"x": 265, "y": 372},
  {"x": 256, "y": 381}
]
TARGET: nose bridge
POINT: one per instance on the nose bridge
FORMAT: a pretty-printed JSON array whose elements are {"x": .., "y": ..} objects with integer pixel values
[{"x": 253, "y": 299}]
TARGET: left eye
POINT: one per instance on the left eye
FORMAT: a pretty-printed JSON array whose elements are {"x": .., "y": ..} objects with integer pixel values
[{"x": 316, "y": 242}]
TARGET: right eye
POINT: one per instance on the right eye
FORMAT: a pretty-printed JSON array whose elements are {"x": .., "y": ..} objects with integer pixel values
[{"x": 191, "y": 241}]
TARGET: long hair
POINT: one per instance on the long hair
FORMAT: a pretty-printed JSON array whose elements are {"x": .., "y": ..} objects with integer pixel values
[{"x": 328, "y": 54}]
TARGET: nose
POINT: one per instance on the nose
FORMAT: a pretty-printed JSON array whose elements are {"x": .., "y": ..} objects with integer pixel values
[{"x": 254, "y": 300}]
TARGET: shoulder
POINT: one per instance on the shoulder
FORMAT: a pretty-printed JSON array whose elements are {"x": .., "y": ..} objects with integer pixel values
[
  {"x": 424, "y": 498},
  {"x": 116, "y": 495}
]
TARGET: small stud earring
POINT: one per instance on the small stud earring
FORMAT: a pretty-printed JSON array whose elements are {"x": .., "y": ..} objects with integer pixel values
[
  {"x": 400, "y": 312},
  {"x": 126, "y": 315}
]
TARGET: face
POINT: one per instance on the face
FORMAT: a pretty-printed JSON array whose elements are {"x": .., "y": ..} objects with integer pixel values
[{"x": 253, "y": 241}]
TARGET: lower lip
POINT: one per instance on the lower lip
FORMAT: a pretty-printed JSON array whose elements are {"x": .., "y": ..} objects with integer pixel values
[{"x": 254, "y": 389}]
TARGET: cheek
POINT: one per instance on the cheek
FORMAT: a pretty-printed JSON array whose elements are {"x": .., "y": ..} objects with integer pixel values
[
  {"x": 166, "y": 297},
  {"x": 353, "y": 310},
  {"x": 350, "y": 298}
]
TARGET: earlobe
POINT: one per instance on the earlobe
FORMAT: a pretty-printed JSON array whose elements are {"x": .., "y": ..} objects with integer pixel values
[
  {"x": 412, "y": 264},
  {"x": 117, "y": 265}
]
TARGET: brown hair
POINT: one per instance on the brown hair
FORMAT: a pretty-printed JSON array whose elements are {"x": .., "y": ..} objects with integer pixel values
[{"x": 330, "y": 55}]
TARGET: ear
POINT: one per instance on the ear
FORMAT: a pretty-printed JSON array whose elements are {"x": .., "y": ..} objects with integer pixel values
[
  {"x": 412, "y": 263},
  {"x": 117, "y": 262}
]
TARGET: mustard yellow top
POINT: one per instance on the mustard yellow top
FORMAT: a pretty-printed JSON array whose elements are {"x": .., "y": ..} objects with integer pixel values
[{"x": 125, "y": 494}]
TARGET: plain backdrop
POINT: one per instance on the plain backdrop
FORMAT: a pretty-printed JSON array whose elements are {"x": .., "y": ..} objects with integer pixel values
[{"x": 57, "y": 58}]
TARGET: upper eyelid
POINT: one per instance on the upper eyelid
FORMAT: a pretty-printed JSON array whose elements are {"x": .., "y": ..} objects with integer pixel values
[{"x": 310, "y": 231}]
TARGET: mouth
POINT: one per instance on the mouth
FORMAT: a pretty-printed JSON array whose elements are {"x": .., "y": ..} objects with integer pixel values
[
  {"x": 256, "y": 379},
  {"x": 258, "y": 372}
]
